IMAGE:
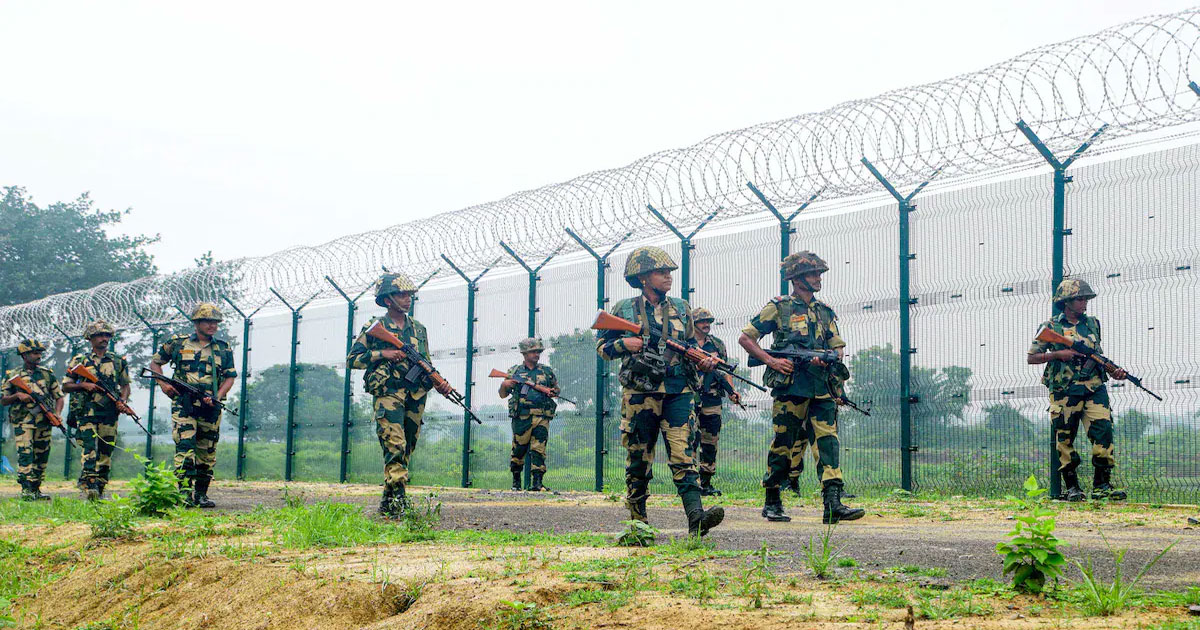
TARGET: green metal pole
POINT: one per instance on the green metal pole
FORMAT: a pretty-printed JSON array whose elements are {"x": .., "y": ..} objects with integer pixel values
[
  {"x": 243, "y": 387},
  {"x": 290, "y": 447},
  {"x": 469, "y": 385},
  {"x": 153, "y": 388},
  {"x": 3, "y": 408},
  {"x": 66, "y": 443},
  {"x": 351, "y": 307},
  {"x": 785, "y": 228},
  {"x": 1058, "y": 234},
  {"x": 907, "y": 398}
]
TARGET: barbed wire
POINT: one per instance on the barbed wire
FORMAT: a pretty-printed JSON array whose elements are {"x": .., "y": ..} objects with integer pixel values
[{"x": 1133, "y": 77}]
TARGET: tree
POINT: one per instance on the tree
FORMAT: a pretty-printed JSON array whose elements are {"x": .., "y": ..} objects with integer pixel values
[
  {"x": 1004, "y": 419},
  {"x": 318, "y": 402},
  {"x": 64, "y": 247},
  {"x": 1132, "y": 425},
  {"x": 574, "y": 362}
]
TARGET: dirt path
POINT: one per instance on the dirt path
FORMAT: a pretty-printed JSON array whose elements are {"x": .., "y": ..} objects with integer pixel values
[{"x": 892, "y": 534}]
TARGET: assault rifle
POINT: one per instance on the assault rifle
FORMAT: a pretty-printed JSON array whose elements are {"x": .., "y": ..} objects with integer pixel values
[
  {"x": 47, "y": 409},
  {"x": 526, "y": 384},
  {"x": 727, "y": 386},
  {"x": 842, "y": 400},
  {"x": 191, "y": 394},
  {"x": 84, "y": 372},
  {"x": 421, "y": 368},
  {"x": 608, "y": 321},
  {"x": 800, "y": 356},
  {"x": 1046, "y": 335}
]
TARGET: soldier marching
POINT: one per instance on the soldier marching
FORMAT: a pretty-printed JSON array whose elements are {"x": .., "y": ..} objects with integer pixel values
[
  {"x": 31, "y": 426},
  {"x": 94, "y": 413},
  {"x": 531, "y": 411}
]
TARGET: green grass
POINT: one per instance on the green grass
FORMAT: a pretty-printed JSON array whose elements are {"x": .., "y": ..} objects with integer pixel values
[
  {"x": 950, "y": 604},
  {"x": 912, "y": 569},
  {"x": 21, "y": 574},
  {"x": 887, "y": 596}
]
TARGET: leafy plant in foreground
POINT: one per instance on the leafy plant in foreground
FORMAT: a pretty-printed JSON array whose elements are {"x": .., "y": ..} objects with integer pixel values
[
  {"x": 1110, "y": 599},
  {"x": 1031, "y": 553}
]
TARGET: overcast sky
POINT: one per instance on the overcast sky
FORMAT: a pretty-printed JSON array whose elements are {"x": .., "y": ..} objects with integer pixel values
[{"x": 250, "y": 127}]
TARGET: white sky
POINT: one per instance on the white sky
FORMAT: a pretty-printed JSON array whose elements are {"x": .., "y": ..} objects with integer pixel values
[{"x": 246, "y": 128}]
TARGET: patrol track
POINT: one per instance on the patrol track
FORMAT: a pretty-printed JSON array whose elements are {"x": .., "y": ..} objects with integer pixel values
[{"x": 883, "y": 539}]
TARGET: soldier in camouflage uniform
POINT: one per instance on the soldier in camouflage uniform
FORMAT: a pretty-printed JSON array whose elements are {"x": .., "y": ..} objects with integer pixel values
[
  {"x": 531, "y": 412},
  {"x": 398, "y": 402},
  {"x": 804, "y": 396},
  {"x": 1077, "y": 392},
  {"x": 94, "y": 413},
  {"x": 202, "y": 360},
  {"x": 708, "y": 402},
  {"x": 657, "y": 385},
  {"x": 31, "y": 428}
]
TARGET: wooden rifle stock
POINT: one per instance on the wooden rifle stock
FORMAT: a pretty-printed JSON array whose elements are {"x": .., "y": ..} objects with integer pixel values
[
  {"x": 86, "y": 373},
  {"x": 1046, "y": 335},
  {"x": 378, "y": 331},
  {"x": 541, "y": 388},
  {"x": 20, "y": 383}
]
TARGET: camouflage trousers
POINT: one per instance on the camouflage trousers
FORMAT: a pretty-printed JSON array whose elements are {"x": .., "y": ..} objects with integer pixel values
[
  {"x": 98, "y": 435},
  {"x": 530, "y": 434},
  {"x": 195, "y": 445},
  {"x": 33, "y": 451},
  {"x": 643, "y": 417},
  {"x": 398, "y": 425},
  {"x": 799, "y": 448},
  {"x": 812, "y": 421},
  {"x": 1066, "y": 414},
  {"x": 705, "y": 437}
]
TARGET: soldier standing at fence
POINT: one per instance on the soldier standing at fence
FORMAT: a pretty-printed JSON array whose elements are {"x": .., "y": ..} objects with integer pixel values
[
  {"x": 31, "y": 428},
  {"x": 803, "y": 393},
  {"x": 657, "y": 385},
  {"x": 531, "y": 412},
  {"x": 94, "y": 413},
  {"x": 708, "y": 402},
  {"x": 203, "y": 360},
  {"x": 398, "y": 402},
  {"x": 1077, "y": 392}
]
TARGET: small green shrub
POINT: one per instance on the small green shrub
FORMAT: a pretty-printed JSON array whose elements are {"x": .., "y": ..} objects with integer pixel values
[
  {"x": 637, "y": 534},
  {"x": 522, "y": 616},
  {"x": 1031, "y": 554},
  {"x": 155, "y": 490},
  {"x": 113, "y": 518},
  {"x": 1110, "y": 599}
]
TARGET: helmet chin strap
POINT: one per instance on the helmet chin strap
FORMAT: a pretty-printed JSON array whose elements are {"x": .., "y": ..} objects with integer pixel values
[{"x": 804, "y": 283}]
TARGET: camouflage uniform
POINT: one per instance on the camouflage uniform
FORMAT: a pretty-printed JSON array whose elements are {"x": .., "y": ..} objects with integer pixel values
[
  {"x": 1077, "y": 392},
  {"x": 708, "y": 409},
  {"x": 398, "y": 403},
  {"x": 95, "y": 413},
  {"x": 205, "y": 365},
  {"x": 531, "y": 412},
  {"x": 649, "y": 408},
  {"x": 31, "y": 428}
]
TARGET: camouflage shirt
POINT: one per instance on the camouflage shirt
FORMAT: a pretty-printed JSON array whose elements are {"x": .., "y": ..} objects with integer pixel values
[
  {"x": 681, "y": 374},
  {"x": 113, "y": 372},
  {"x": 811, "y": 326},
  {"x": 385, "y": 377},
  {"x": 42, "y": 382},
  {"x": 196, "y": 362},
  {"x": 1071, "y": 377},
  {"x": 532, "y": 401},
  {"x": 710, "y": 391}
]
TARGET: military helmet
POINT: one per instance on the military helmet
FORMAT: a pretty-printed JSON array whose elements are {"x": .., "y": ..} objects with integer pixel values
[
  {"x": 1073, "y": 288},
  {"x": 390, "y": 283},
  {"x": 98, "y": 327},
  {"x": 644, "y": 260},
  {"x": 529, "y": 344},
  {"x": 800, "y": 263},
  {"x": 30, "y": 345},
  {"x": 703, "y": 315},
  {"x": 207, "y": 310}
]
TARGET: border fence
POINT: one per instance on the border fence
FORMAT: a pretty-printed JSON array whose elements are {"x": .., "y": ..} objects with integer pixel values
[{"x": 947, "y": 212}]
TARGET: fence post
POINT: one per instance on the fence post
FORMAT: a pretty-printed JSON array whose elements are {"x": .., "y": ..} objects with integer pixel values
[
  {"x": 243, "y": 404},
  {"x": 292, "y": 395},
  {"x": 785, "y": 229},
  {"x": 66, "y": 443},
  {"x": 3, "y": 408},
  {"x": 412, "y": 308},
  {"x": 351, "y": 307},
  {"x": 472, "y": 287},
  {"x": 601, "y": 366},
  {"x": 1059, "y": 232},
  {"x": 686, "y": 247},
  {"x": 907, "y": 398},
  {"x": 153, "y": 387}
]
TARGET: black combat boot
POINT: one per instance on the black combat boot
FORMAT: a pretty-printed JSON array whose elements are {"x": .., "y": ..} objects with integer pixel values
[
  {"x": 706, "y": 487},
  {"x": 773, "y": 507},
  {"x": 793, "y": 484},
  {"x": 92, "y": 490},
  {"x": 200, "y": 496},
  {"x": 1071, "y": 490},
  {"x": 516, "y": 487},
  {"x": 1102, "y": 485},
  {"x": 26, "y": 491},
  {"x": 535, "y": 482},
  {"x": 834, "y": 510},
  {"x": 385, "y": 502},
  {"x": 700, "y": 520},
  {"x": 37, "y": 492}
]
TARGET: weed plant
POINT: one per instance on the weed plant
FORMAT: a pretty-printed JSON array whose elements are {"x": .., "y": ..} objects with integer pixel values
[
  {"x": 155, "y": 491},
  {"x": 1031, "y": 554},
  {"x": 1107, "y": 599},
  {"x": 112, "y": 518},
  {"x": 820, "y": 553}
]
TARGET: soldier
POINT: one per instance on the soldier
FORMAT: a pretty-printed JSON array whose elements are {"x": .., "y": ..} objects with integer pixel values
[
  {"x": 799, "y": 449},
  {"x": 531, "y": 412},
  {"x": 203, "y": 360},
  {"x": 31, "y": 428},
  {"x": 804, "y": 397},
  {"x": 657, "y": 385},
  {"x": 708, "y": 402},
  {"x": 1077, "y": 392},
  {"x": 397, "y": 402},
  {"x": 95, "y": 413}
]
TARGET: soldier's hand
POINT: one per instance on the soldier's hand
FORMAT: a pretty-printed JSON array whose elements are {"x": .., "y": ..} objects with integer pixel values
[
  {"x": 1120, "y": 374},
  {"x": 779, "y": 364},
  {"x": 633, "y": 344},
  {"x": 707, "y": 364},
  {"x": 735, "y": 398},
  {"x": 509, "y": 383},
  {"x": 443, "y": 387},
  {"x": 89, "y": 387},
  {"x": 1067, "y": 354},
  {"x": 818, "y": 362},
  {"x": 23, "y": 397},
  {"x": 169, "y": 390},
  {"x": 392, "y": 354}
]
